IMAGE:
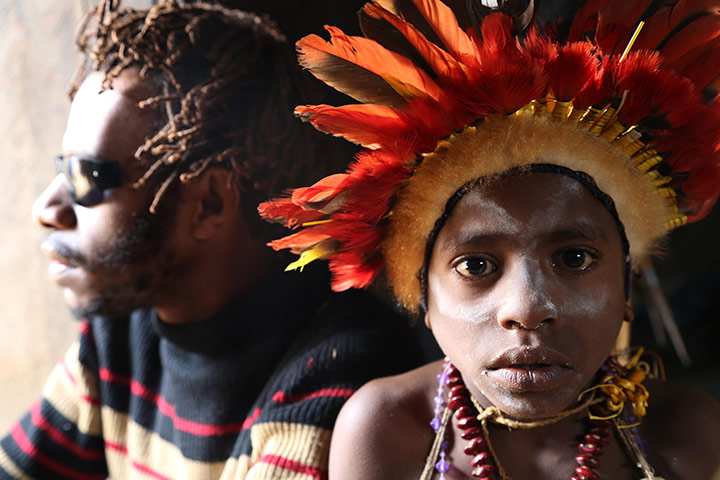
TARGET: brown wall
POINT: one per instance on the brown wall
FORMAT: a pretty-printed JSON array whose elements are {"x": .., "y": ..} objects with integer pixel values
[{"x": 37, "y": 60}]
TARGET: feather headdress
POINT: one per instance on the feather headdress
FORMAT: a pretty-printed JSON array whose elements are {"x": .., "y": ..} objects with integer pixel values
[{"x": 453, "y": 91}]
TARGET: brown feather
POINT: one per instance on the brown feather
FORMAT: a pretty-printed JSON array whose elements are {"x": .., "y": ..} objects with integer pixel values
[
  {"x": 364, "y": 69},
  {"x": 407, "y": 10},
  {"x": 389, "y": 37}
]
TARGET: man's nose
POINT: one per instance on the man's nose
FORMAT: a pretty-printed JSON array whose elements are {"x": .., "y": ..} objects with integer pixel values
[
  {"x": 54, "y": 207},
  {"x": 527, "y": 300}
]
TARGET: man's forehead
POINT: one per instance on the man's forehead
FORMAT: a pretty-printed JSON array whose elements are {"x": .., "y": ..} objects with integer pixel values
[{"x": 108, "y": 122}]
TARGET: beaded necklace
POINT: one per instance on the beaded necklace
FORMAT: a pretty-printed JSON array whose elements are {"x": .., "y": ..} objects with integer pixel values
[{"x": 619, "y": 386}]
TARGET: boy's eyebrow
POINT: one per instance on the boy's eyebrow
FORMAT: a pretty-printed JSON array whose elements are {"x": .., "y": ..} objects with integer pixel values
[
  {"x": 578, "y": 231},
  {"x": 473, "y": 238},
  {"x": 581, "y": 230}
]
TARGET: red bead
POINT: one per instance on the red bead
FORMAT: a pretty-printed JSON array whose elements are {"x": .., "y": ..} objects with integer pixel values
[
  {"x": 453, "y": 371},
  {"x": 601, "y": 432},
  {"x": 601, "y": 423},
  {"x": 465, "y": 411},
  {"x": 587, "y": 460},
  {"x": 467, "y": 422},
  {"x": 475, "y": 446},
  {"x": 590, "y": 448},
  {"x": 596, "y": 439},
  {"x": 457, "y": 402},
  {"x": 454, "y": 381},
  {"x": 481, "y": 458},
  {"x": 471, "y": 433},
  {"x": 458, "y": 391},
  {"x": 483, "y": 471},
  {"x": 586, "y": 474},
  {"x": 599, "y": 411}
]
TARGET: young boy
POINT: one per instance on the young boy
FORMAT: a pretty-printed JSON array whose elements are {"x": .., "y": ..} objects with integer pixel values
[{"x": 508, "y": 186}]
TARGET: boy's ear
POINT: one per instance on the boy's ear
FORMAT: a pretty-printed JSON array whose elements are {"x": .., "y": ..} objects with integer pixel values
[
  {"x": 215, "y": 200},
  {"x": 427, "y": 321},
  {"x": 628, "y": 314}
]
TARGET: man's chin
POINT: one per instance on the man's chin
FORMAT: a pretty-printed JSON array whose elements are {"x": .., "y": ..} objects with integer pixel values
[{"x": 97, "y": 306}]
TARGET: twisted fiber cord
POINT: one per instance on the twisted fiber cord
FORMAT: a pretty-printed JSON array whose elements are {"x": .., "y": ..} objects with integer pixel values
[
  {"x": 429, "y": 469},
  {"x": 494, "y": 415}
]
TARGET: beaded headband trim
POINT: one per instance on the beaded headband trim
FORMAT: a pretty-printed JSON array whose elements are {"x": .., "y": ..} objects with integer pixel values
[{"x": 446, "y": 104}]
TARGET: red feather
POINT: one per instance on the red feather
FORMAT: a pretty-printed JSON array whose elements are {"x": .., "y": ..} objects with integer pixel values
[
  {"x": 283, "y": 210},
  {"x": 571, "y": 69},
  {"x": 353, "y": 271},
  {"x": 668, "y": 18},
  {"x": 368, "y": 125}
]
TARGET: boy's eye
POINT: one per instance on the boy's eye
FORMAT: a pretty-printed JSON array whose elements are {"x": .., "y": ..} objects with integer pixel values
[
  {"x": 475, "y": 267},
  {"x": 574, "y": 259}
]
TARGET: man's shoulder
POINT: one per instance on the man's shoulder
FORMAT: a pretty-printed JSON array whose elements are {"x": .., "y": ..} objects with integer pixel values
[{"x": 356, "y": 332}]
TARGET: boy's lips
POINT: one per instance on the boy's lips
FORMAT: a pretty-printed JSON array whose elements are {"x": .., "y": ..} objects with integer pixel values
[{"x": 529, "y": 369}]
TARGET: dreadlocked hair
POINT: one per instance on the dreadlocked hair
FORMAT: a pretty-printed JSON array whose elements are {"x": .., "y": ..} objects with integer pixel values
[{"x": 227, "y": 82}]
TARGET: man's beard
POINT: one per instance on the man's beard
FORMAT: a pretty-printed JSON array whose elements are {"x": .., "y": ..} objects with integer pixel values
[{"x": 134, "y": 268}]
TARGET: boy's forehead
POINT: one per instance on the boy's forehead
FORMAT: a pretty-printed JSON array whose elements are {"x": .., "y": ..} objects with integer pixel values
[{"x": 531, "y": 205}]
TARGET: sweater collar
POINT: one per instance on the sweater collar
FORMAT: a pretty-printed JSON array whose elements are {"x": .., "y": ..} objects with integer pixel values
[{"x": 268, "y": 316}]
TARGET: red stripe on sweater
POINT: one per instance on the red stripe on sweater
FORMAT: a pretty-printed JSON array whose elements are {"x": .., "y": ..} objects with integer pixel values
[
  {"x": 248, "y": 423},
  {"x": 148, "y": 471},
  {"x": 167, "y": 409},
  {"x": 27, "y": 446},
  {"x": 117, "y": 447},
  {"x": 136, "y": 465},
  {"x": 87, "y": 398},
  {"x": 91, "y": 400},
  {"x": 294, "y": 466},
  {"x": 67, "y": 372},
  {"x": 84, "y": 327},
  {"x": 39, "y": 420},
  {"x": 282, "y": 397}
]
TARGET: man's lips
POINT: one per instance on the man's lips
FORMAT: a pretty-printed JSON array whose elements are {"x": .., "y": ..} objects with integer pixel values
[
  {"x": 61, "y": 262},
  {"x": 530, "y": 369}
]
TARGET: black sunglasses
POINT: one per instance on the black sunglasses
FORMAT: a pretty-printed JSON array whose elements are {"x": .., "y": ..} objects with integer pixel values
[{"x": 87, "y": 179}]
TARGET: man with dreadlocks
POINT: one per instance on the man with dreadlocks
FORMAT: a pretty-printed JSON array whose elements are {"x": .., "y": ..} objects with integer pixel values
[{"x": 196, "y": 359}]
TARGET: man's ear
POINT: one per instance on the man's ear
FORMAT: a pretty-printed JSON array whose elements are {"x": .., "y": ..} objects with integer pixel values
[{"x": 215, "y": 200}]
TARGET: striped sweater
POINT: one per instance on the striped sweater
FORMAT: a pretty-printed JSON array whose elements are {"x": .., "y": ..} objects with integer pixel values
[{"x": 252, "y": 393}]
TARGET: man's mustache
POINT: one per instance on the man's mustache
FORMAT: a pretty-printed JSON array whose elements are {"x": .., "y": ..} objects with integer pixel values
[{"x": 72, "y": 256}]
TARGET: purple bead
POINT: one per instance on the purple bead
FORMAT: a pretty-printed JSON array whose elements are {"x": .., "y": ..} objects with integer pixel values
[
  {"x": 442, "y": 466},
  {"x": 436, "y": 424},
  {"x": 443, "y": 447},
  {"x": 438, "y": 400}
]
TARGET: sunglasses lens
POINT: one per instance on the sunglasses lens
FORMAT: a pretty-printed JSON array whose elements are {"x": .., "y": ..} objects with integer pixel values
[{"x": 87, "y": 179}]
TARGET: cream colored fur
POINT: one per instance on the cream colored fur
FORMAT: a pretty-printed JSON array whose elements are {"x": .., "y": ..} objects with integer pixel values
[{"x": 500, "y": 144}]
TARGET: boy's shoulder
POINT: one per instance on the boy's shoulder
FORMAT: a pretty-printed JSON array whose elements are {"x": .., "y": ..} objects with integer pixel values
[
  {"x": 682, "y": 430},
  {"x": 385, "y": 420}
]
